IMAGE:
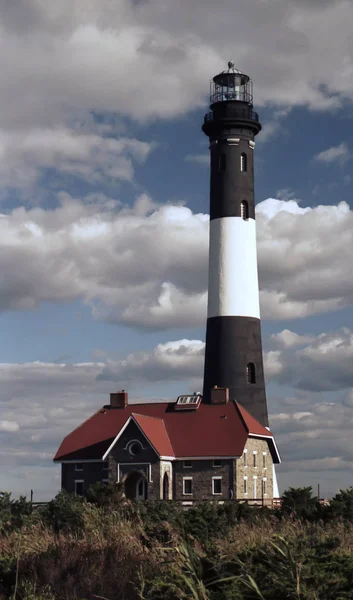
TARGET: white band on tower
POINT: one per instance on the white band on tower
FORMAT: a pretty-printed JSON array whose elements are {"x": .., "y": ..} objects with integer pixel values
[{"x": 233, "y": 279}]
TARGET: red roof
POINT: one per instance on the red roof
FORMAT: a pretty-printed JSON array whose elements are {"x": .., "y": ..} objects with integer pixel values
[
  {"x": 155, "y": 431},
  {"x": 211, "y": 430}
]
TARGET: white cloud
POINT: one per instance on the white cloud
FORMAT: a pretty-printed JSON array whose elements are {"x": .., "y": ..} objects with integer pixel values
[
  {"x": 334, "y": 154},
  {"x": 323, "y": 364},
  {"x": 290, "y": 339},
  {"x": 304, "y": 256},
  {"x": 129, "y": 264},
  {"x": 182, "y": 359},
  {"x": 152, "y": 59},
  {"x": 9, "y": 426},
  {"x": 25, "y": 154},
  {"x": 146, "y": 265},
  {"x": 272, "y": 364}
]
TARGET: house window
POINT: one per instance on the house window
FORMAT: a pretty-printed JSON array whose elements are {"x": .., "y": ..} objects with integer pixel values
[
  {"x": 216, "y": 485},
  {"x": 245, "y": 458},
  {"x": 105, "y": 465},
  {"x": 217, "y": 463},
  {"x": 264, "y": 487},
  {"x": 79, "y": 489},
  {"x": 222, "y": 162},
  {"x": 187, "y": 486},
  {"x": 244, "y": 210},
  {"x": 255, "y": 488},
  {"x": 243, "y": 162},
  {"x": 187, "y": 464},
  {"x": 264, "y": 460},
  {"x": 79, "y": 467},
  {"x": 254, "y": 459},
  {"x": 250, "y": 373},
  {"x": 105, "y": 481},
  {"x": 245, "y": 485}
]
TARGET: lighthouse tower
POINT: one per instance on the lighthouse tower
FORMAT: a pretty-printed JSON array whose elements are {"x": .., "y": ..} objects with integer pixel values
[{"x": 233, "y": 356}]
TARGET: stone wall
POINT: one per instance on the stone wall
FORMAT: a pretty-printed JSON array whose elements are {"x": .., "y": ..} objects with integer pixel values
[
  {"x": 202, "y": 472},
  {"x": 92, "y": 473},
  {"x": 259, "y": 472}
]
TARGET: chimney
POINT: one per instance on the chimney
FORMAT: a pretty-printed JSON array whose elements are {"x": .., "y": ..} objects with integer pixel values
[
  {"x": 219, "y": 395},
  {"x": 118, "y": 399}
]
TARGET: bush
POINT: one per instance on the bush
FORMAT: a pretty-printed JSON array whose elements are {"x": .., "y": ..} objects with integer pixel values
[
  {"x": 13, "y": 513},
  {"x": 65, "y": 513},
  {"x": 106, "y": 495}
]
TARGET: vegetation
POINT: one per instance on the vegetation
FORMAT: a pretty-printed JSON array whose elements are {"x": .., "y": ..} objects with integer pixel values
[{"x": 104, "y": 546}]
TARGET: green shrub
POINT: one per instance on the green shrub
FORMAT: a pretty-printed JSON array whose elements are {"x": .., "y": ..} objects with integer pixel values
[{"x": 65, "y": 513}]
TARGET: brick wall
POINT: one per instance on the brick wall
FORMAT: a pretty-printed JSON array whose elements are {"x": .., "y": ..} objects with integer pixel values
[
  {"x": 202, "y": 472},
  {"x": 260, "y": 472}
]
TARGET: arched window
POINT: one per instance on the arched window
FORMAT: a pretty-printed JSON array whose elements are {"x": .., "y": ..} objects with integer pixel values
[
  {"x": 244, "y": 210},
  {"x": 243, "y": 162},
  {"x": 250, "y": 373},
  {"x": 165, "y": 487}
]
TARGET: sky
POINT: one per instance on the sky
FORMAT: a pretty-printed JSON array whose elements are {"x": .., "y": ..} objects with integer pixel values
[{"x": 104, "y": 200}]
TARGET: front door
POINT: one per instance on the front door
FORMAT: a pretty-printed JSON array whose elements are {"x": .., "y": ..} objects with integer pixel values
[{"x": 141, "y": 489}]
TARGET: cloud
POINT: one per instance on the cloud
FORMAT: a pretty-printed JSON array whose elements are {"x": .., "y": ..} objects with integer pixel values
[
  {"x": 106, "y": 253},
  {"x": 10, "y": 426},
  {"x": 75, "y": 56},
  {"x": 272, "y": 364},
  {"x": 182, "y": 359},
  {"x": 323, "y": 364},
  {"x": 303, "y": 256},
  {"x": 290, "y": 339},
  {"x": 316, "y": 445},
  {"x": 25, "y": 155},
  {"x": 339, "y": 154}
]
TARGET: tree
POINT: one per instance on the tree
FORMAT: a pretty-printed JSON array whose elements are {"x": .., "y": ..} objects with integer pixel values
[
  {"x": 341, "y": 505},
  {"x": 299, "y": 502}
]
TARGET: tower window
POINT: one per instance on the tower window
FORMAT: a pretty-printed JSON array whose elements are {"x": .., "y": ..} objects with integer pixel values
[
  {"x": 243, "y": 162},
  {"x": 244, "y": 210},
  {"x": 250, "y": 373},
  {"x": 222, "y": 162}
]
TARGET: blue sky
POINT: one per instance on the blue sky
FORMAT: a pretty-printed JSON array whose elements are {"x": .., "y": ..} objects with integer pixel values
[{"x": 104, "y": 228}]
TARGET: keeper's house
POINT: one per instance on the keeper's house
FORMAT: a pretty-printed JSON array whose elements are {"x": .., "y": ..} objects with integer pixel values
[{"x": 185, "y": 450}]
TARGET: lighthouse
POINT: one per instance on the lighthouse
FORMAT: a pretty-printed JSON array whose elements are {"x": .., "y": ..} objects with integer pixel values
[{"x": 233, "y": 354}]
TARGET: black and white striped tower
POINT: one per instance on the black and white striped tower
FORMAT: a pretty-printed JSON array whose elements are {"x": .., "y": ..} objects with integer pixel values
[{"x": 233, "y": 357}]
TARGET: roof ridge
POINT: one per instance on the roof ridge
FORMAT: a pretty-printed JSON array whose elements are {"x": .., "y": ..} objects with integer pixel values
[{"x": 147, "y": 416}]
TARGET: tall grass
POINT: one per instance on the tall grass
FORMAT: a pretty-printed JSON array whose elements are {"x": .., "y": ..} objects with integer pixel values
[{"x": 141, "y": 555}]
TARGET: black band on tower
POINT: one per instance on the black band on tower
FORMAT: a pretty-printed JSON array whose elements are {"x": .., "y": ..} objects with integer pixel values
[{"x": 233, "y": 359}]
